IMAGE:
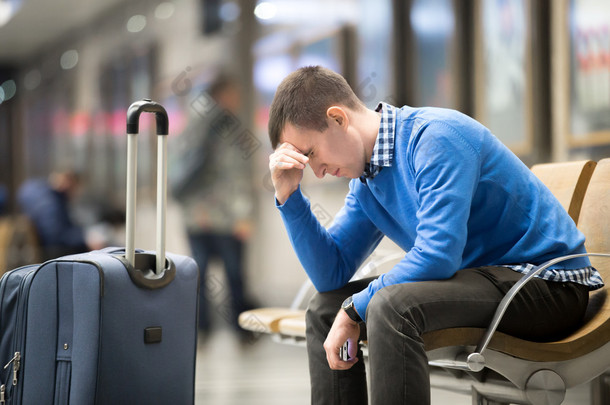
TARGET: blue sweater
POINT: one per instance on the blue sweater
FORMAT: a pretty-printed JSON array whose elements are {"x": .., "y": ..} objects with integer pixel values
[{"x": 454, "y": 197}]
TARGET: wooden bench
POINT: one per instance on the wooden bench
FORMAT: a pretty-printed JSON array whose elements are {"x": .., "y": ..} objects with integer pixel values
[
  {"x": 568, "y": 182},
  {"x": 510, "y": 370}
]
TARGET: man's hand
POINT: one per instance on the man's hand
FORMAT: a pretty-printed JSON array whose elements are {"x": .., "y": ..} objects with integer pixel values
[
  {"x": 286, "y": 165},
  {"x": 343, "y": 329}
]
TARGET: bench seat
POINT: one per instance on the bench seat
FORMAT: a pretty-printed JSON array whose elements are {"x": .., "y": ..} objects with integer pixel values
[
  {"x": 266, "y": 320},
  {"x": 293, "y": 326}
]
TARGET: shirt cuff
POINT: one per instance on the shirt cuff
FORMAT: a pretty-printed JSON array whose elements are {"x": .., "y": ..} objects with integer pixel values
[
  {"x": 361, "y": 302},
  {"x": 295, "y": 205}
]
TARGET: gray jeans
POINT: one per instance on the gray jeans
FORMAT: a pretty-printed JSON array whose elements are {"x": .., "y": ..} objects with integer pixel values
[{"x": 398, "y": 315}]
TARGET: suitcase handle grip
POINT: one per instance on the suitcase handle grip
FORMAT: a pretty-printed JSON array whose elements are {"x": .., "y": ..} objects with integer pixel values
[
  {"x": 133, "y": 117},
  {"x": 147, "y": 105}
]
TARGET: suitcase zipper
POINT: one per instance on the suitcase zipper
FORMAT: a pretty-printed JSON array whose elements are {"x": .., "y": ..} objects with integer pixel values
[
  {"x": 16, "y": 360},
  {"x": 19, "y": 338},
  {"x": 5, "y": 387}
]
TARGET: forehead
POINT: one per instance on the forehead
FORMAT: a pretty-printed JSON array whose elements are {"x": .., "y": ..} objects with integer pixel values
[{"x": 302, "y": 139}]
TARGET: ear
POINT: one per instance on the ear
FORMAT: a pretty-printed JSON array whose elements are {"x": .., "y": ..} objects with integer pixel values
[{"x": 338, "y": 115}]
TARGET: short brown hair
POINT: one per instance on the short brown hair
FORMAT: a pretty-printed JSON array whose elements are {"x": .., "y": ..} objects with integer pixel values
[{"x": 303, "y": 98}]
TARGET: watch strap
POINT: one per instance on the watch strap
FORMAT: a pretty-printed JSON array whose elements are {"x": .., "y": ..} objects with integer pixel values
[{"x": 348, "y": 307}]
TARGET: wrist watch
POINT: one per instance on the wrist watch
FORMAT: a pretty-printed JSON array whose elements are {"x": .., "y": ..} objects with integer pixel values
[{"x": 348, "y": 307}]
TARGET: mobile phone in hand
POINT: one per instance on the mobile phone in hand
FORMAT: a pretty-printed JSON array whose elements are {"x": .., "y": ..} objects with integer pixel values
[{"x": 343, "y": 353}]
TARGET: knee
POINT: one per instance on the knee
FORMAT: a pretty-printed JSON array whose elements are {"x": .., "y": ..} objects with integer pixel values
[
  {"x": 379, "y": 308},
  {"x": 388, "y": 309}
]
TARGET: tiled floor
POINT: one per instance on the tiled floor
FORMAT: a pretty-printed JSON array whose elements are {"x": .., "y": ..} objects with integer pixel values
[
  {"x": 264, "y": 372},
  {"x": 259, "y": 373}
]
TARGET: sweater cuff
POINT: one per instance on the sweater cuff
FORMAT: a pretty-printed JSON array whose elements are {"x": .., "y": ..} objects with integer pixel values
[
  {"x": 361, "y": 302},
  {"x": 295, "y": 205}
]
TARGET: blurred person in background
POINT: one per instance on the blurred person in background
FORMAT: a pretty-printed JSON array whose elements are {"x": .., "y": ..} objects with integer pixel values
[
  {"x": 46, "y": 202},
  {"x": 3, "y": 200},
  {"x": 211, "y": 180}
]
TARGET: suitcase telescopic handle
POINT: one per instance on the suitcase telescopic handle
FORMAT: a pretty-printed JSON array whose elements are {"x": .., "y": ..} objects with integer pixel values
[{"x": 133, "y": 127}]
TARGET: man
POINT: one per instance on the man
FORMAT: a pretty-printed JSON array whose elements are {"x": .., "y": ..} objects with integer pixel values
[
  {"x": 469, "y": 215},
  {"x": 46, "y": 202},
  {"x": 211, "y": 181}
]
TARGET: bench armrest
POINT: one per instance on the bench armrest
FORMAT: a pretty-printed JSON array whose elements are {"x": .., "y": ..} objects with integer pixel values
[{"x": 476, "y": 361}]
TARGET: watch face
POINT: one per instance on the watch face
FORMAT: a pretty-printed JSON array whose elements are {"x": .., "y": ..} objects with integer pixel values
[{"x": 348, "y": 307}]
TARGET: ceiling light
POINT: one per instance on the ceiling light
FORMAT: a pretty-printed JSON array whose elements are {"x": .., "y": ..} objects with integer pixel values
[
  {"x": 8, "y": 8},
  {"x": 9, "y": 88},
  {"x": 136, "y": 23},
  {"x": 165, "y": 10},
  {"x": 265, "y": 11},
  {"x": 69, "y": 59}
]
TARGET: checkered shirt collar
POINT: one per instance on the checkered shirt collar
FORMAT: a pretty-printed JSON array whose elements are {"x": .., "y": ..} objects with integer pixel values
[{"x": 383, "y": 152}]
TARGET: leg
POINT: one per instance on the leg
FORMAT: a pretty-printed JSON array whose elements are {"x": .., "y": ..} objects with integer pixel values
[
  {"x": 231, "y": 251},
  {"x": 200, "y": 250},
  {"x": 328, "y": 386},
  {"x": 398, "y": 315}
]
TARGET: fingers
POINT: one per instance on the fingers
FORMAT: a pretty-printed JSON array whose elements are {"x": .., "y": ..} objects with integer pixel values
[
  {"x": 286, "y": 165},
  {"x": 286, "y": 156},
  {"x": 342, "y": 330},
  {"x": 353, "y": 350},
  {"x": 285, "y": 162},
  {"x": 288, "y": 146},
  {"x": 334, "y": 360}
]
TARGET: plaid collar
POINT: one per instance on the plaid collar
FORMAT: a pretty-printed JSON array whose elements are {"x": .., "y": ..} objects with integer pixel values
[{"x": 383, "y": 152}]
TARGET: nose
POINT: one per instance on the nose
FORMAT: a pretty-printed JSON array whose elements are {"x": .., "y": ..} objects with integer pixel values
[{"x": 318, "y": 169}]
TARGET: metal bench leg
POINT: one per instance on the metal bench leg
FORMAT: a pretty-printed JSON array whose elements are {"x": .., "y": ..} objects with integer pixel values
[{"x": 600, "y": 389}]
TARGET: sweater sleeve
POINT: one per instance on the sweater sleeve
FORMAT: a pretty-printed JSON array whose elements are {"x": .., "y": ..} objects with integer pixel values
[
  {"x": 445, "y": 169},
  {"x": 330, "y": 257}
]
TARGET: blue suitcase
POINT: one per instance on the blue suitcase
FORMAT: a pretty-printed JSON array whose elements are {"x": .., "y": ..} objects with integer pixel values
[{"x": 115, "y": 326}]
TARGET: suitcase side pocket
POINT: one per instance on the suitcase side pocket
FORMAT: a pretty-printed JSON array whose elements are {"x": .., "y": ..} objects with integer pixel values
[{"x": 62, "y": 344}]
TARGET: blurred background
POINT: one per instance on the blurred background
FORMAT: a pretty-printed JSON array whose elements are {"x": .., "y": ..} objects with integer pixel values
[{"x": 536, "y": 72}]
